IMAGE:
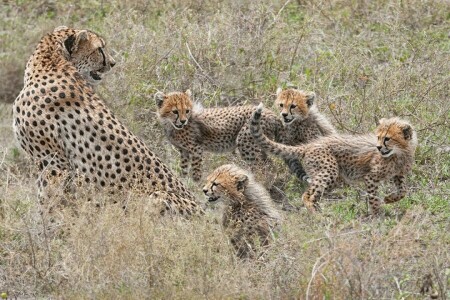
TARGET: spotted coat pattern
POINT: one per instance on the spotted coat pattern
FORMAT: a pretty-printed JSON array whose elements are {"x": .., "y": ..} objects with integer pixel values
[
  {"x": 63, "y": 124},
  {"x": 303, "y": 122},
  {"x": 248, "y": 217},
  {"x": 215, "y": 130},
  {"x": 388, "y": 155}
]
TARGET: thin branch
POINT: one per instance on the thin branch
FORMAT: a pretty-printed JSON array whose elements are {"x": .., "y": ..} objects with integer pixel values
[{"x": 200, "y": 68}]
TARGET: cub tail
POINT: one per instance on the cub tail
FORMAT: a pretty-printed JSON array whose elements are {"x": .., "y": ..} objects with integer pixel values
[{"x": 284, "y": 151}]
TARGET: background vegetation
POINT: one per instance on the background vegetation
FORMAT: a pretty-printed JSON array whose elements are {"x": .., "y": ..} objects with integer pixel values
[{"x": 364, "y": 59}]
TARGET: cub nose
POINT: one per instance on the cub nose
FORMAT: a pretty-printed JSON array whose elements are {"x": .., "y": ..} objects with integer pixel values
[
  {"x": 112, "y": 64},
  {"x": 379, "y": 147},
  {"x": 284, "y": 114},
  {"x": 205, "y": 191},
  {"x": 183, "y": 121}
]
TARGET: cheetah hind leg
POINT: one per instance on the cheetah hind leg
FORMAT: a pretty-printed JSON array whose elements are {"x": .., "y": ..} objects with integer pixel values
[{"x": 320, "y": 183}]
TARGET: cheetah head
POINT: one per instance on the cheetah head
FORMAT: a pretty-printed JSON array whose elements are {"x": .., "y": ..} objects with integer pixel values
[
  {"x": 88, "y": 53},
  {"x": 227, "y": 182},
  {"x": 294, "y": 104},
  {"x": 395, "y": 136},
  {"x": 174, "y": 108}
]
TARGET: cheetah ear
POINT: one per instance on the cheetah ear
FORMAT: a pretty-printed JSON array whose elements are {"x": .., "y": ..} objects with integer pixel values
[
  {"x": 310, "y": 98},
  {"x": 73, "y": 41},
  {"x": 381, "y": 121},
  {"x": 159, "y": 98},
  {"x": 279, "y": 90},
  {"x": 188, "y": 93},
  {"x": 69, "y": 43},
  {"x": 407, "y": 132},
  {"x": 242, "y": 182},
  {"x": 59, "y": 28}
]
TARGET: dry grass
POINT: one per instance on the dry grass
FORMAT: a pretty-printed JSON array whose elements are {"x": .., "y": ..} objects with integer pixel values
[{"x": 364, "y": 59}]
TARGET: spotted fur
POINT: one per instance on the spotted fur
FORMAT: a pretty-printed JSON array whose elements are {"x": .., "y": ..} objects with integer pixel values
[
  {"x": 248, "y": 216},
  {"x": 63, "y": 125},
  {"x": 303, "y": 122},
  {"x": 370, "y": 158},
  {"x": 215, "y": 130}
]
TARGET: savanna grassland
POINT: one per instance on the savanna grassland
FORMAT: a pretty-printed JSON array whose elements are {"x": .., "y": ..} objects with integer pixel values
[{"x": 364, "y": 59}]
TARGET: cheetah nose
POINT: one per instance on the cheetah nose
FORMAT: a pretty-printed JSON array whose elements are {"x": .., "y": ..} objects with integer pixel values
[
  {"x": 284, "y": 114},
  {"x": 112, "y": 64},
  {"x": 205, "y": 191},
  {"x": 183, "y": 122},
  {"x": 379, "y": 148}
]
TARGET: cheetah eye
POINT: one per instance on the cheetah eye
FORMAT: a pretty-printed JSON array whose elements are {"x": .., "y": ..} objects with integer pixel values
[
  {"x": 175, "y": 112},
  {"x": 188, "y": 111},
  {"x": 281, "y": 104},
  {"x": 293, "y": 106},
  {"x": 386, "y": 139}
]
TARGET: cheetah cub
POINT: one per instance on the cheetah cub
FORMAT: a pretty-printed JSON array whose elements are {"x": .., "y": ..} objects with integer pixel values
[
  {"x": 248, "y": 218},
  {"x": 370, "y": 158},
  {"x": 194, "y": 130},
  {"x": 302, "y": 122}
]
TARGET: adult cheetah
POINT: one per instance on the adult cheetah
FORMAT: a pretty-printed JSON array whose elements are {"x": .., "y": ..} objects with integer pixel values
[
  {"x": 370, "y": 158},
  {"x": 249, "y": 218},
  {"x": 63, "y": 124}
]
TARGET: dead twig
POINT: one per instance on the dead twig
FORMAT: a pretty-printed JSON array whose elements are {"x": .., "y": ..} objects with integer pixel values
[{"x": 200, "y": 67}]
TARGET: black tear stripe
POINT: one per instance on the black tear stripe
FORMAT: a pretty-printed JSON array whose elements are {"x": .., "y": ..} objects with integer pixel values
[
  {"x": 69, "y": 42},
  {"x": 104, "y": 57}
]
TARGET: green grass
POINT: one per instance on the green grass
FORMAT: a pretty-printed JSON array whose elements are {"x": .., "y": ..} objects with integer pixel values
[{"x": 364, "y": 59}]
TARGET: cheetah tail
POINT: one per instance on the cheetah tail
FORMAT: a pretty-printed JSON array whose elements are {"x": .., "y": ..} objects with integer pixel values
[{"x": 286, "y": 152}]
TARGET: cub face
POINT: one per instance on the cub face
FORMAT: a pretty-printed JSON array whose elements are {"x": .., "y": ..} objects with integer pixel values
[
  {"x": 175, "y": 108},
  {"x": 224, "y": 183},
  {"x": 294, "y": 104},
  {"x": 394, "y": 136},
  {"x": 88, "y": 53}
]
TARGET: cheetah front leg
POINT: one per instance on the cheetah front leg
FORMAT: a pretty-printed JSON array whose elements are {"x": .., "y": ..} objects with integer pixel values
[
  {"x": 196, "y": 167},
  {"x": 372, "y": 189},
  {"x": 400, "y": 184},
  {"x": 185, "y": 162}
]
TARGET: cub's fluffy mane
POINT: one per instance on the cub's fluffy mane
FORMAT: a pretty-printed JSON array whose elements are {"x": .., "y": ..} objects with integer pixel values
[
  {"x": 325, "y": 127},
  {"x": 255, "y": 192}
]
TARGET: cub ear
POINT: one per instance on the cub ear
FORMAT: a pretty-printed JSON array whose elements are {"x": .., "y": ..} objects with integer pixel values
[
  {"x": 59, "y": 28},
  {"x": 279, "y": 90},
  {"x": 310, "y": 98},
  {"x": 407, "y": 132},
  {"x": 188, "y": 93},
  {"x": 381, "y": 121},
  {"x": 159, "y": 98},
  {"x": 73, "y": 41},
  {"x": 242, "y": 182}
]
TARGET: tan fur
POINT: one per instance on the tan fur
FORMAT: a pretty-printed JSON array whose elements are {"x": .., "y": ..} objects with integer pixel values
[
  {"x": 62, "y": 123},
  {"x": 368, "y": 158},
  {"x": 216, "y": 130},
  {"x": 302, "y": 121},
  {"x": 249, "y": 215}
]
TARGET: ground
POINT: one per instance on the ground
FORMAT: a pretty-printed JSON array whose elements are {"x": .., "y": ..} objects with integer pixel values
[{"x": 364, "y": 60}]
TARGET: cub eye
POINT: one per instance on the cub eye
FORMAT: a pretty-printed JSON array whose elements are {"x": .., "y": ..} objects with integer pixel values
[
  {"x": 293, "y": 106},
  {"x": 175, "y": 112},
  {"x": 281, "y": 104},
  {"x": 188, "y": 111},
  {"x": 386, "y": 139}
]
